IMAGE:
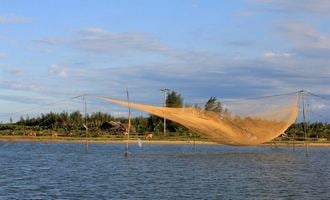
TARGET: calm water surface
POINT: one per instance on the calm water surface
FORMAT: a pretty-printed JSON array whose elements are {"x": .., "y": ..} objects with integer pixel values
[{"x": 68, "y": 171}]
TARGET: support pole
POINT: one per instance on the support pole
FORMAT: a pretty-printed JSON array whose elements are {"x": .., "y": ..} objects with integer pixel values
[
  {"x": 304, "y": 120},
  {"x": 164, "y": 90},
  {"x": 85, "y": 124},
  {"x": 129, "y": 123},
  {"x": 294, "y": 136},
  {"x": 194, "y": 141}
]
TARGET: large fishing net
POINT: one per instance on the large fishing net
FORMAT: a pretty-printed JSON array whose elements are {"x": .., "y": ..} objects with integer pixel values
[{"x": 241, "y": 122}]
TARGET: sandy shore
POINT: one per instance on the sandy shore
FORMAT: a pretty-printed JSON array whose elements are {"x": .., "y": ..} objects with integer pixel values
[{"x": 134, "y": 141}]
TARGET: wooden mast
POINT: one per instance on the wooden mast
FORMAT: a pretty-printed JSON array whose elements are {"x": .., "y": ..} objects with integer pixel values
[
  {"x": 304, "y": 120},
  {"x": 85, "y": 124},
  {"x": 129, "y": 123}
]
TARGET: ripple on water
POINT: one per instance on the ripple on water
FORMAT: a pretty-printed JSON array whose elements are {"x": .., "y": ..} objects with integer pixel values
[{"x": 67, "y": 171}]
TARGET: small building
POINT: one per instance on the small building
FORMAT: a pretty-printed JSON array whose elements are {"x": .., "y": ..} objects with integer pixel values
[{"x": 115, "y": 127}]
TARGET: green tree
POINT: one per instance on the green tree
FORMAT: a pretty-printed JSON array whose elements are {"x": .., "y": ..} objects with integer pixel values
[
  {"x": 213, "y": 105},
  {"x": 174, "y": 100},
  {"x": 156, "y": 124},
  {"x": 140, "y": 124}
]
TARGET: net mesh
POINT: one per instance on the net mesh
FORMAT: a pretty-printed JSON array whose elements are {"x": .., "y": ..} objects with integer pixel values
[{"x": 244, "y": 122}]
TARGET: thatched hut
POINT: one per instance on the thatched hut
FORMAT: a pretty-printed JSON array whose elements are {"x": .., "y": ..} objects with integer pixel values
[{"x": 115, "y": 127}]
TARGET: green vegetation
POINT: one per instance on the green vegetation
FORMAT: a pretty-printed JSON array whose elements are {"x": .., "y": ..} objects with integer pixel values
[
  {"x": 71, "y": 124},
  {"x": 66, "y": 124},
  {"x": 156, "y": 124},
  {"x": 99, "y": 124},
  {"x": 213, "y": 105},
  {"x": 314, "y": 130}
]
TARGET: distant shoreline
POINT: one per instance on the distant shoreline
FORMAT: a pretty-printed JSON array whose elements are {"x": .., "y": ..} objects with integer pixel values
[{"x": 154, "y": 141}]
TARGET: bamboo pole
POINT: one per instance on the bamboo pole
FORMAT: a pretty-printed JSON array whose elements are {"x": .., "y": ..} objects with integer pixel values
[
  {"x": 129, "y": 123},
  {"x": 304, "y": 120}
]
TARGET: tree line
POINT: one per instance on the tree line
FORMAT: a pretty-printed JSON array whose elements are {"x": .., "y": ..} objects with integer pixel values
[{"x": 72, "y": 124}]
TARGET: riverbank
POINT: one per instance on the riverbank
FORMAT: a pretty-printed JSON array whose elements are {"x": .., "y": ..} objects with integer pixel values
[
  {"x": 169, "y": 141},
  {"x": 100, "y": 140}
]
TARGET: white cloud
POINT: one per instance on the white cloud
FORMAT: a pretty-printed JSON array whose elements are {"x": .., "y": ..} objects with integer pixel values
[
  {"x": 246, "y": 13},
  {"x": 271, "y": 54},
  {"x": 12, "y": 19},
  {"x": 318, "y": 105},
  {"x": 305, "y": 36},
  {"x": 23, "y": 99},
  {"x": 49, "y": 41},
  {"x": 15, "y": 72},
  {"x": 102, "y": 41},
  {"x": 56, "y": 69},
  {"x": 15, "y": 85},
  {"x": 93, "y": 30},
  {"x": 10, "y": 70},
  {"x": 3, "y": 55},
  {"x": 290, "y": 6},
  {"x": 194, "y": 73}
]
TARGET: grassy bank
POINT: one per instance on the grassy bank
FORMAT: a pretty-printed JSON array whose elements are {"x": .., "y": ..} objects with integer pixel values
[
  {"x": 160, "y": 140},
  {"x": 170, "y": 140}
]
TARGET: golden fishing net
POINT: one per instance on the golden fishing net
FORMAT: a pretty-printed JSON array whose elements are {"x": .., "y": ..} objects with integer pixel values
[{"x": 244, "y": 122}]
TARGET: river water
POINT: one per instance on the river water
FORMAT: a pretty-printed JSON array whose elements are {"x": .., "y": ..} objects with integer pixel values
[{"x": 70, "y": 171}]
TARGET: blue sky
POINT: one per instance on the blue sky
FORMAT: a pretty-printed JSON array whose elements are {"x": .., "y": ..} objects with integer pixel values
[{"x": 54, "y": 50}]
